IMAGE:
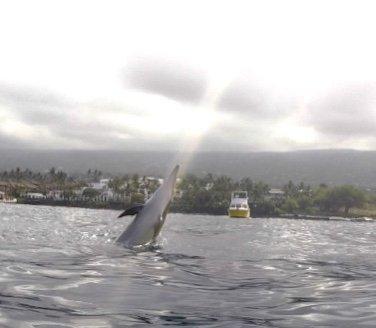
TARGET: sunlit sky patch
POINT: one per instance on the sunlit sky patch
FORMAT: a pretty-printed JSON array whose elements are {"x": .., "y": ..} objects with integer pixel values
[{"x": 227, "y": 75}]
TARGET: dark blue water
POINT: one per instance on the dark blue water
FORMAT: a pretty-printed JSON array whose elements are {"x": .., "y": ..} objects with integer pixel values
[{"x": 60, "y": 268}]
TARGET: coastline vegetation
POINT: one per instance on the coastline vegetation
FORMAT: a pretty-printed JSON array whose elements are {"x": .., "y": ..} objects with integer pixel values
[{"x": 209, "y": 194}]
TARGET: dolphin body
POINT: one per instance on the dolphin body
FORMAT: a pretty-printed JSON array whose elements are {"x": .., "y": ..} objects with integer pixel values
[{"x": 147, "y": 224}]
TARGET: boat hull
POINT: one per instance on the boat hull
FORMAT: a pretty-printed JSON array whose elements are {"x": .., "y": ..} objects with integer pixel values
[{"x": 238, "y": 213}]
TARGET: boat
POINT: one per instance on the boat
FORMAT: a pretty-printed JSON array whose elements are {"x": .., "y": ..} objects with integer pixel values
[{"x": 239, "y": 207}]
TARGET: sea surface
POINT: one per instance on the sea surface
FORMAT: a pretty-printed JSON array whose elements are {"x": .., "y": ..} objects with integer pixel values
[{"x": 61, "y": 268}]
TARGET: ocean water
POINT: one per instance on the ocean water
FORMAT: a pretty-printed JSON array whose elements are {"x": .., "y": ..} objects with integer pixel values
[{"x": 61, "y": 268}]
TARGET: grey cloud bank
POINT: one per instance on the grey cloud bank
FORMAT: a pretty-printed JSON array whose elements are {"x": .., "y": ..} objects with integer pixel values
[
  {"x": 170, "y": 78},
  {"x": 257, "y": 102},
  {"x": 244, "y": 98},
  {"x": 132, "y": 75},
  {"x": 348, "y": 111},
  {"x": 35, "y": 106}
]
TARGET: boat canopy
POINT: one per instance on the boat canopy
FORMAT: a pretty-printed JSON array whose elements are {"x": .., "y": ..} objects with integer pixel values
[{"x": 240, "y": 194}]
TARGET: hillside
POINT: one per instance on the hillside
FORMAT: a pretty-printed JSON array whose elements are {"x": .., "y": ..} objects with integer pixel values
[{"x": 313, "y": 167}]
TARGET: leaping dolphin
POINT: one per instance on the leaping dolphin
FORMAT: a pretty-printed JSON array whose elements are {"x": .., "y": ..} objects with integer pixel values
[{"x": 147, "y": 224}]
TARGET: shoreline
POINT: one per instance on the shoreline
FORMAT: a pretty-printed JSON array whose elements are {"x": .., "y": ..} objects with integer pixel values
[
  {"x": 74, "y": 203},
  {"x": 122, "y": 206}
]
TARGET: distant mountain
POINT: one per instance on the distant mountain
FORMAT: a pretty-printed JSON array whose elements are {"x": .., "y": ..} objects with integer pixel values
[{"x": 276, "y": 168}]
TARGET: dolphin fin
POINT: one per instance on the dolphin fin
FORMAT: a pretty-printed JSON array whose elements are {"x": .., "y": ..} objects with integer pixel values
[{"x": 132, "y": 210}]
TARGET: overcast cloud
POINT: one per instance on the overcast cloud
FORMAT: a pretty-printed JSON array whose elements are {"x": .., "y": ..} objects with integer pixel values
[
  {"x": 168, "y": 78},
  {"x": 348, "y": 111},
  {"x": 223, "y": 75},
  {"x": 246, "y": 99}
]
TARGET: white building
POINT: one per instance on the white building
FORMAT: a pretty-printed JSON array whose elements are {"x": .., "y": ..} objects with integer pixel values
[
  {"x": 209, "y": 186},
  {"x": 275, "y": 193},
  {"x": 34, "y": 195},
  {"x": 55, "y": 194},
  {"x": 102, "y": 184},
  {"x": 79, "y": 192},
  {"x": 108, "y": 195}
]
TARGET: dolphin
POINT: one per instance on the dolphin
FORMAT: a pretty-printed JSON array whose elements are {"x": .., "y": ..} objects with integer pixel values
[{"x": 147, "y": 224}]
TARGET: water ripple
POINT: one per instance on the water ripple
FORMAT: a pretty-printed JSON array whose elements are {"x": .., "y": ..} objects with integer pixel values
[{"x": 61, "y": 268}]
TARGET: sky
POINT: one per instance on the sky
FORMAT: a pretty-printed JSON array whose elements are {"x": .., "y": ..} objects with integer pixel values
[{"x": 188, "y": 75}]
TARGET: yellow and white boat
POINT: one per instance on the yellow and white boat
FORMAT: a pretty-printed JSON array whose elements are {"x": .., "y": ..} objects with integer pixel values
[{"x": 239, "y": 207}]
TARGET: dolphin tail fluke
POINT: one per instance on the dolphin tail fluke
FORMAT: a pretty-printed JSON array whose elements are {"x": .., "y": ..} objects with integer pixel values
[{"x": 133, "y": 210}]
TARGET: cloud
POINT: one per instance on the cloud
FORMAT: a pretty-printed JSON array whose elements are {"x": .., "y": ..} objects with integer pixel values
[
  {"x": 35, "y": 106},
  {"x": 254, "y": 101},
  {"x": 39, "y": 119},
  {"x": 170, "y": 78},
  {"x": 234, "y": 134},
  {"x": 348, "y": 111},
  {"x": 241, "y": 97},
  {"x": 29, "y": 96},
  {"x": 250, "y": 117}
]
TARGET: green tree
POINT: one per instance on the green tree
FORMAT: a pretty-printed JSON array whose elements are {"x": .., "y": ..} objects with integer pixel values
[
  {"x": 346, "y": 197},
  {"x": 290, "y": 189},
  {"x": 90, "y": 193},
  {"x": 259, "y": 191},
  {"x": 61, "y": 177},
  {"x": 135, "y": 183},
  {"x": 290, "y": 205},
  {"x": 68, "y": 194},
  {"x": 52, "y": 171},
  {"x": 137, "y": 198},
  {"x": 264, "y": 207},
  {"x": 116, "y": 184},
  {"x": 247, "y": 185},
  {"x": 304, "y": 202}
]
